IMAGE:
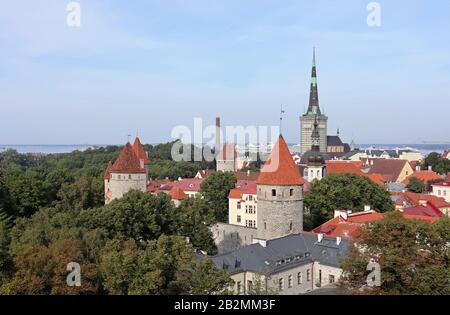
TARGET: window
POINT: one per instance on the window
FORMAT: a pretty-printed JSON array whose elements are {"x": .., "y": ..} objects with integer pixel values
[
  {"x": 239, "y": 287},
  {"x": 250, "y": 223},
  {"x": 250, "y": 209},
  {"x": 445, "y": 193},
  {"x": 439, "y": 192},
  {"x": 265, "y": 226},
  {"x": 331, "y": 279},
  {"x": 320, "y": 276},
  {"x": 318, "y": 173},
  {"x": 290, "y": 281},
  {"x": 249, "y": 285},
  {"x": 291, "y": 192},
  {"x": 280, "y": 284},
  {"x": 299, "y": 278},
  {"x": 246, "y": 209},
  {"x": 250, "y": 197},
  {"x": 129, "y": 176},
  {"x": 239, "y": 205},
  {"x": 290, "y": 226},
  {"x": 238, "y": 219},
  {"x": 254, "y": 223},
  {"x": 246, "y": 222},
  {"x": 274, "y": 192},
  {"x": 308, "y": 275}
]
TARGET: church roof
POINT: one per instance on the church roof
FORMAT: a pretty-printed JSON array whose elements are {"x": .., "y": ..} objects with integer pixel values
[
  {"x": 280, "y": 168},
  {"x": 334, "y": 141},
  {"x": 127, "y": 162},
  {"x": 139, "y": 150},
  {"x": 313, "y": 106}
]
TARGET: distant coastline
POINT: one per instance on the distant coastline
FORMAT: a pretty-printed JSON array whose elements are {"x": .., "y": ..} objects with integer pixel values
[{"x": 68, "y": 148}]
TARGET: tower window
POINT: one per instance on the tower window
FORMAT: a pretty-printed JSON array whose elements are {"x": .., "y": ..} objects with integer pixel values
[
  {"x": 291, "y": 192},
  {"x": 290, "y": 226},
  {"x": 274, "y": 192},
  {"x": 129, "y": 176},
  {"x": 265, "y": 226}
]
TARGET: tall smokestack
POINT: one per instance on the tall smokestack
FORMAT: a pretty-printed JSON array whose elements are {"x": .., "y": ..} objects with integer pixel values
[{"x": 217, "y": 135}]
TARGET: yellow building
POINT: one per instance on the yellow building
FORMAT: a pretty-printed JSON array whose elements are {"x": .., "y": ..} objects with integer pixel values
[{"x": 242, "y": 203}]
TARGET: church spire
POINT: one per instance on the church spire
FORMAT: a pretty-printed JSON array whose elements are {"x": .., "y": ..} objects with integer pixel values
[{"x": 313, "y": 107}]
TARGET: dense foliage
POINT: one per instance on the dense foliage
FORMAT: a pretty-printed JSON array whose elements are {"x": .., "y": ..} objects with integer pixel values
[
  {"x": 343, "y": 191},
  {"x": 52, "y": 213},
  {"x": 438, "y": 163},
  {"x": 413, "y": 255}
]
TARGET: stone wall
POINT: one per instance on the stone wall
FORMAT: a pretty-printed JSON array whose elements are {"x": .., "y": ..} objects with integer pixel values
[
  {"x": 228, "y": 237},
  {"x": 120, "y": 184}
]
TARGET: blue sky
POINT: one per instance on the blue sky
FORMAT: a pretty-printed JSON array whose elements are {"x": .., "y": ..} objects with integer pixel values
[{"x": 152, "y": 65}]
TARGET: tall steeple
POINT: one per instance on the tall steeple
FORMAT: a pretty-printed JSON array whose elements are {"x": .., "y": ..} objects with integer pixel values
[{"x": 313, "y": 107}]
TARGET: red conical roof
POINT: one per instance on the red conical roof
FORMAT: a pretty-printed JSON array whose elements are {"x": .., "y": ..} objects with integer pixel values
[
  {"x": 127, "y": 162},
  {"x": 280, "y": 168},
  {"x": 139, "y": 150}
]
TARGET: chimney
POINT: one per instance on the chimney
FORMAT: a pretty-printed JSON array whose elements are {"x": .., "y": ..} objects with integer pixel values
[
  {"x": 338, "y": 240},
  {"x": 367, "y": 208},
  {"x": 218, "y": 131},
  {"x": 319, "y": 237}
]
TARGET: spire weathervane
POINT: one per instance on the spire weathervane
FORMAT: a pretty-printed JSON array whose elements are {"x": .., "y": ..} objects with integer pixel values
[{"x": 281, "y": 116}]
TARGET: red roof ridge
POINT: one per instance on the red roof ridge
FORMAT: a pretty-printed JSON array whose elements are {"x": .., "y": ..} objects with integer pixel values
[
  {"x": 127, "y": 162},
  {"x": 140, "y": 151},
  {"x": 280, "y": 169}
]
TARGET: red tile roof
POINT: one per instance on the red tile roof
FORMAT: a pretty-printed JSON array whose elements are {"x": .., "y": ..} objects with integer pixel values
[
  {"x": 253, "y": 176},
  {"x": 423, "y": 176},
  {"x": 243, "y": 187},
  {"x": 280, "y": 169},
  {"x": 339, "y": 167},
  {"x": 139, "y": 150},
  {"x": 107, "y": 175},
  {"x": 204, "y": 173},
  {"x": 343, "y": 168},
  {"x": 177, "y": 194},
  {"x": 428, "y": 210},
  {"x": 447, "y": 179},
  {"x": 187, "y": 184},
  {"x": 127, "y": 162},
  {"x": 416, "y": 199},
  {"x": 352, "y": 226},
  {"x": 443, "y": 184}
]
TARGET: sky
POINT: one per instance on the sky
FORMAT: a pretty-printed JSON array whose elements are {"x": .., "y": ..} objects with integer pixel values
[{"x": 148, "y": 66}]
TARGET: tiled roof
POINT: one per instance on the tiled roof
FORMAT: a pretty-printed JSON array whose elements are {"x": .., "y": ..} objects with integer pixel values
[
  {"x": 334, "y": 141},
  {"x": 335, "y": 167},
  {"x": 127, "y": 162},
  {"x": 177, "y": 193},
  {"x": 351, "y": 227},
  {"x": 246, "y": 175},
  {"x": 423, "y": 176},
  {"x": 107, "y": 175},
  {"x": 187, "y": 184},
  {"x": 243, "y": 187},
  {"x": 280, "y": 168},
  {"x": 139, "y": 150},
  {"x": 389, "y": 168},
  {"x": 443, "y": 184},
  {"x": 415, "y": 199},
  {"x": 428, "y": 210}
]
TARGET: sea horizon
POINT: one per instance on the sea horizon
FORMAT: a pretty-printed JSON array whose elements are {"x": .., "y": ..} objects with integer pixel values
[{"x": 68, "y": 148}]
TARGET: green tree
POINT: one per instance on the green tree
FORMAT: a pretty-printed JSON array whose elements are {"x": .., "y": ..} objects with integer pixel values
[
  {"x": 215, "y": 189},
  {"x": 415, "y": 185},
  {"x": 259, "y": 287},
  {"x": 5, "y": 258},
  {"x": 343, "y": 191},
  {"x": 193, "y": 219},
  {"x": 438, "y": 163},
  {"x": 413, "y": 257},
  {"x": 207, "y": 280},
  {"x": 137, "y": 215},
  {"x": 43, "y": 270}
]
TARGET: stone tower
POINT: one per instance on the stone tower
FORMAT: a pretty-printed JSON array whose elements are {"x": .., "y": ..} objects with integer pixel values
[
  {"x": 313, "y": 113},
  {"x": 280, "y": 195},
  {"x": 126, "y": 173},
  {"x": 316, "y": 162}
]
